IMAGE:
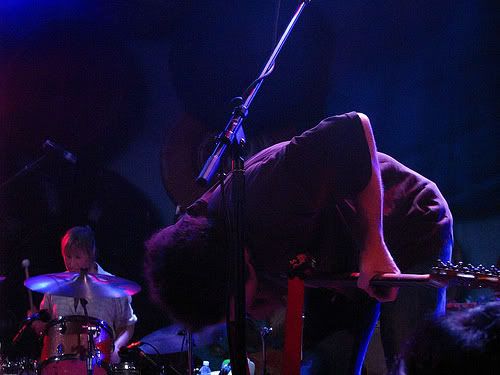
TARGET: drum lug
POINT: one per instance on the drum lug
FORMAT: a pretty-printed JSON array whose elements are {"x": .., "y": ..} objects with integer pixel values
[
  {"x": 62, "y": 328},
  {"x": 98, "y": 356}
]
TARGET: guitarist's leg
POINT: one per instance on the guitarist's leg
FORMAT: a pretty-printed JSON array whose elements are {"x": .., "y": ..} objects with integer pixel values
[{"x": 337, "y": 330}]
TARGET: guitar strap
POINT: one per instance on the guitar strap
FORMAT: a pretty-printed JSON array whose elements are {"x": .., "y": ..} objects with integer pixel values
[{"x": 292, "y": 354}]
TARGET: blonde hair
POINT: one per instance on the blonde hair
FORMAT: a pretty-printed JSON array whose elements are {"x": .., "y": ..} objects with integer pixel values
[{"x": 79, "y": 238}]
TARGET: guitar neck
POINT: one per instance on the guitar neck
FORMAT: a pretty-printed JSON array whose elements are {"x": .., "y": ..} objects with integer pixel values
[
  {"x": 385, "y": 279},
  {"x": 442, "y": 275},
  {"x": 434, "y": 280}
]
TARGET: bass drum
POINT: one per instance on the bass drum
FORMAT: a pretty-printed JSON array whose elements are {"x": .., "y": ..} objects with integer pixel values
[{"x": 65, "y": 346}]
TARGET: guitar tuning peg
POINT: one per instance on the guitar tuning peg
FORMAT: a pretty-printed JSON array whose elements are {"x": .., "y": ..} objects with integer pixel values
[
  {"x": 466, "y": 268},
  {"x": 494, "y": 270},
  {"x": 461, "y": 267},
  {"x": 439, "y": 264}
]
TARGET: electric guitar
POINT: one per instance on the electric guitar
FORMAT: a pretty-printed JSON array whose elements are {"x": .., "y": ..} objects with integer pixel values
[
  {"x": 441, "y": 275},
  {"x": 301, "y": 274}
]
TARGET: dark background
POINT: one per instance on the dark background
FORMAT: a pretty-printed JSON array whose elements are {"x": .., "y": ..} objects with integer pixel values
[{"x": 135, "y": 88}]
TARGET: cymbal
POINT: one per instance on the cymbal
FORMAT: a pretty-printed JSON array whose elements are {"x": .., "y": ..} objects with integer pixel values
[
  {"x": 173, "y": 339},
  {"x": 82, "y": 285}
]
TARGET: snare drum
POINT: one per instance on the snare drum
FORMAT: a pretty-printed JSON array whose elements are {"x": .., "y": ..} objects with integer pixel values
[{"x": 65, "y": 345}]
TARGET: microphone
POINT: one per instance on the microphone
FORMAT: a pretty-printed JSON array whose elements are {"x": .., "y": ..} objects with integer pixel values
[
  {"x": 48, "y": 144},
  {"x": 133, "y": 350}
]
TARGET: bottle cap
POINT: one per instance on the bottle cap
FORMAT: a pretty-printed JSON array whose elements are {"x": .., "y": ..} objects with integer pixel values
[{"x": 206, "y": 363}]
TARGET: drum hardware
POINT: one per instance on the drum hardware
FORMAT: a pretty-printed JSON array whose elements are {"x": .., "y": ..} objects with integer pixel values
[
  {"x": 82, "y": 285},
  {"x": 25, "y": 264},
  {"x": 42, "y": 315},
  {"x": 92, "y": 331},
  {"x": 23, "y": 366},
  {"x": 62, "y": 328},
  {"x": 124, "y": 368},
  {"x": 133, "y": 354},
  {"x": 75, "y": 344},
  {"x": 208, "y": 343},
  {"x": 92, "y": 351},
  {"x": 264, "y": 333},
  {"x": 190, "y": 352},
  {"x": 73, "y": 340}
]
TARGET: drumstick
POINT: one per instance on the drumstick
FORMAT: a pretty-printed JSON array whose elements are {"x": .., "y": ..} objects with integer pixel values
[{"x": 26, "y": 263}]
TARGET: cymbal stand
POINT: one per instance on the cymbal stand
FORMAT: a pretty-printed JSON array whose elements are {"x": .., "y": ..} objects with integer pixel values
[
  {"x": 91, "y": 331},
  {"x": 190, "y": 352},
  {"x": 264, "y": 332}
]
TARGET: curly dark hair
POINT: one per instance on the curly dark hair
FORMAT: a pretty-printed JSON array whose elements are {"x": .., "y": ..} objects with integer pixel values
[
  {"x": 186, "y": 268},
  {"x": 463, "y": 342}
]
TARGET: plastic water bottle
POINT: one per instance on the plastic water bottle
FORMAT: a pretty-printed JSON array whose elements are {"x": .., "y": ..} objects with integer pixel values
[
  {"x": 205, "y": 369},
  {"x": 226, "y": 367}
]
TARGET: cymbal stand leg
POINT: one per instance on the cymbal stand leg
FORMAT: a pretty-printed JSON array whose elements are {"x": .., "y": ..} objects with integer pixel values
[
  {"x": 190, "y": 352},
  {"x": 264, "y": 332}
]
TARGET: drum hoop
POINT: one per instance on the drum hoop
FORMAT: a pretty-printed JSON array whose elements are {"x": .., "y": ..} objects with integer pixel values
[{"x": 81, "y": 318}]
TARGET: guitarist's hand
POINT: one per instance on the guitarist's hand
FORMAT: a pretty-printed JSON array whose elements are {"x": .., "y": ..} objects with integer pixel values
[{"x": 375, "y": 260}]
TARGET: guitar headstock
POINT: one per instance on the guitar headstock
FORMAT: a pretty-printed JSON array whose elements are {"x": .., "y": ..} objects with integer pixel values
[{"x": 467, "y": 275}]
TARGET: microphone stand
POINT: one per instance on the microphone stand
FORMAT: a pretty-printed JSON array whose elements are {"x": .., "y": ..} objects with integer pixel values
[
  {"x": 24, "y": 170},
  {"x": 233, "y": 136}
]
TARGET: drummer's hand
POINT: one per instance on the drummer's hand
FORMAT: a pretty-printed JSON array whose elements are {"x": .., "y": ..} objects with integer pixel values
[
  {"x": 31, "y": 312},
  {"x": 375, "y": 260},
  {"x": 37, "y": 325}
]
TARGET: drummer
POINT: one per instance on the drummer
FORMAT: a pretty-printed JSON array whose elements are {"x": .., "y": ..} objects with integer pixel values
[{"x": 79, "y": 252}]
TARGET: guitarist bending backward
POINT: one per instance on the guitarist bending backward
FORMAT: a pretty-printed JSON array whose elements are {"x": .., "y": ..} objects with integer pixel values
[{"x": 329, "y": 193}]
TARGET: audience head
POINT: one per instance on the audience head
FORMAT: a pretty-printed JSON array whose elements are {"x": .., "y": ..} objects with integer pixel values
[
  {"x": 463, "y": 342},
  {"x": 186, "y": 266}
]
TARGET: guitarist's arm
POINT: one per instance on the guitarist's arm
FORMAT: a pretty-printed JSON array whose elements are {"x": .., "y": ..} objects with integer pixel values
[
  {"x": 418, "y": 230},
  {"x": 375, "y": 258}
]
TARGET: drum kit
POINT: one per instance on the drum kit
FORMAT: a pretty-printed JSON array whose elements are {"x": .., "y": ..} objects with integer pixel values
[{"x": 73, "y": 344}]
